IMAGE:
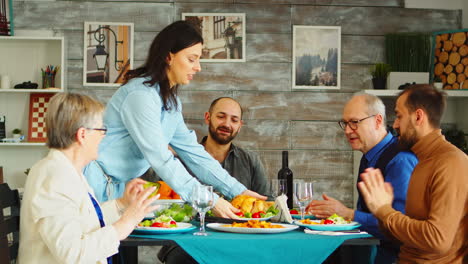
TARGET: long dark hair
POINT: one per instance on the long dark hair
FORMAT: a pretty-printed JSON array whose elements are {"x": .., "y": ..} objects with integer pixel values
[{"x": 172, "y": 39}]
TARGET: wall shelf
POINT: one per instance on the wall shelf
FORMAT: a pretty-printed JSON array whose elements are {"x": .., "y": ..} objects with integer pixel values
[
  {"x": 31, "y": 90},
  {"x": 22, "y": 144},
  {"x": 390, "y": 93}
]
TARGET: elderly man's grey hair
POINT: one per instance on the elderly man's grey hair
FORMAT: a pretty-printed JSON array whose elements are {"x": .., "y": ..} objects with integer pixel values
[{"x": 374, "y": 105}]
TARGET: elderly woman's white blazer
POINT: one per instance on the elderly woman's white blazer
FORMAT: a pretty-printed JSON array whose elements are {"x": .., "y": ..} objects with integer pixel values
[{"x": 58, "y": 221}]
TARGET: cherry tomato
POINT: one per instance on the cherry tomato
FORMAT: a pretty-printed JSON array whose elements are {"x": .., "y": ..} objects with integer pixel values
[
  {"x": 241, "y": 214},
  {"x": 328, "y": 222},
  {"x": 157, "y": 224},
  {"x": 173, "y": 223},
  {"x": 256, "y": 215},
  {"x": 293, "y": 211}
]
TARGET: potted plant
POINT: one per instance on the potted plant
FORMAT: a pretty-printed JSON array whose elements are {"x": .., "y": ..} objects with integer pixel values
[
  {"x": 379, "y": 74},
  {"x": 17, "y": 133}
]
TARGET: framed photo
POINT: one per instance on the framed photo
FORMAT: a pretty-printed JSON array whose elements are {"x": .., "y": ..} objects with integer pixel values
[
  {"x": 38, "y": 103},
  {"x": 108, "y": 53},
  {"x": 450, "y": 59},
  {"x": 316, "y": 57},
  {"x": 223, "y": 35},
  {"x": 6, "y": 18}
]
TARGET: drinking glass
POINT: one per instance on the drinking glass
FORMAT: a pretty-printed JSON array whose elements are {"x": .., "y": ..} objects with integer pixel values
[
  {"x": 202, "y": 197},
  {"x": 277, "y": 187},
  {"x": 303, "y": 192}
]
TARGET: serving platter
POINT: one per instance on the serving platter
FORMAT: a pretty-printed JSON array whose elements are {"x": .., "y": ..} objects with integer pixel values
[{"x": 246, "y": 230}]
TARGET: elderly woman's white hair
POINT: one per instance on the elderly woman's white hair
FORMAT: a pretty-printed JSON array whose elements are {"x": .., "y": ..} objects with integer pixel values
[{"x": 66, "y": 113}]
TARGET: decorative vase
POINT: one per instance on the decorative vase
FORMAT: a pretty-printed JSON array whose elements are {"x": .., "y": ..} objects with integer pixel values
[{"x": 379, "y": 83}]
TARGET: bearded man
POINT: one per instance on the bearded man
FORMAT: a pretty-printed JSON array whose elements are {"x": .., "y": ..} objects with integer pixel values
[
  {"x": 434, "y": 227},
  {"x": 224, "y": 120}
]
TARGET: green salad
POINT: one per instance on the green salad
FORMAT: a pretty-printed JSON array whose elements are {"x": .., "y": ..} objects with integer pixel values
[
  {"x": 178, "y": 212},
  {"x": 338, "y": 220}
]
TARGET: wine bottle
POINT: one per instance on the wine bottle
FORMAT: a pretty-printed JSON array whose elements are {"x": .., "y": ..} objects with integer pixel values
[{"x": 286, "y": 174}]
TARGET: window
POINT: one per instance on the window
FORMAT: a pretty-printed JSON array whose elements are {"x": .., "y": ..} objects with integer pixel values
[{"x": 219, "y": 26}]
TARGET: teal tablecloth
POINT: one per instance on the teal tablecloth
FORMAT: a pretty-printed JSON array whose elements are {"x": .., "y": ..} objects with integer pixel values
[{"x": 290, "y": 247}]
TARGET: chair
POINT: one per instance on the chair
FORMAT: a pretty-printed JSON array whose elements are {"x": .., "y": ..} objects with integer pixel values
[{"x": 9, "y": 224}]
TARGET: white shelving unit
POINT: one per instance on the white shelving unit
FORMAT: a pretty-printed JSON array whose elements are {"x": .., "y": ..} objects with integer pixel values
[
  {"x": 389, "y": 93},
  {"x": 457, "y": 105},
  {"x": 21, "y": 58}
]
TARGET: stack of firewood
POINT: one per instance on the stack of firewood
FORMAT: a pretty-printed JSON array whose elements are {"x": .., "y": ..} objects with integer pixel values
[{"x": 451, "y": 60}]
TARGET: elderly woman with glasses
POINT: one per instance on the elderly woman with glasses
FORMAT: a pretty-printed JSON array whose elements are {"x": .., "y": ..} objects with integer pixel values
[{"x": 61, "y": 221}]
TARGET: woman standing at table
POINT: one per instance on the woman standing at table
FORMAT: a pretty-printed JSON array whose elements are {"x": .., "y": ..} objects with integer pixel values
[
  {"x": 61, "y": 221},
  {"x": 144, "y": 118}
]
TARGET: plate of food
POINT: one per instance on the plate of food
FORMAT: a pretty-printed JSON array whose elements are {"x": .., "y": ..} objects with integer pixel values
[
  {"x": 252, "y": 227},
  {"x": 296, "y": 214},
  {"x": 180, "y": 228},
  {"x": 254, "y": 209},
  {"x": 162, "y": 225},
  {"x": 332, "y": 223}
]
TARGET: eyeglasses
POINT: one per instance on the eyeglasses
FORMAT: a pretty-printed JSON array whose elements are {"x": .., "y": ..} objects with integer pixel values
[
  {"x": 103, "y": 129},
  {"x": 353, "y": 124}
]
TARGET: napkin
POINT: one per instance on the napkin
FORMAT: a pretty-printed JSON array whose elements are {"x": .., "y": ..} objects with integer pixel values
[
  {"x": 332, "y": 233},
  {"x": 281, "y": 205}
]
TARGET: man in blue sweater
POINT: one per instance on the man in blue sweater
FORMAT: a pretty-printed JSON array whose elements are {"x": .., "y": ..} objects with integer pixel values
[{"x": 365, "y": 128}]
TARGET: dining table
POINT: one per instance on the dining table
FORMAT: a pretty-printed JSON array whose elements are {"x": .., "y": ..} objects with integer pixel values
[{"x": 225, "y": 247}]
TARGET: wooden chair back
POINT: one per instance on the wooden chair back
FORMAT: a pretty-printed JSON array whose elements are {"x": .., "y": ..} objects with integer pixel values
[{"x": 9, "y": 223}]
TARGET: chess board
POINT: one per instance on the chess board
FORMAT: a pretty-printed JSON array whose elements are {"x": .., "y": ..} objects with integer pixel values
[{"x": 38, "y": 103}]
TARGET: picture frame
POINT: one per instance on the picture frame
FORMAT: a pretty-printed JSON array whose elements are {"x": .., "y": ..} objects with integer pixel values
[
  {"x": 316, "y": 57},
  {"x": 7, "y": 27},
  {"x": 108, "y": 53},
  {"x": 223, "y": 35},
  {"x": 450, "y": 59}
]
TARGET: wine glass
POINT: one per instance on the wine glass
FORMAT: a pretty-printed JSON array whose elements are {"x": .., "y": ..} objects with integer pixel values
[
  {"x": 303, "y": 192},
  {"x": 202, "y": 198},
  {"x": 277, "y": 187}
]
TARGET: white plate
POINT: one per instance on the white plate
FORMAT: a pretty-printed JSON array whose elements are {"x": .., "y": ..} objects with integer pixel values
[
  {"x": 330, "y": 227},
  {"x": 169, "y": 201},
  {"x": 259, "y": 219},
  {"x": 181, "y": 228},
  {"x": 246, "y": 230}
]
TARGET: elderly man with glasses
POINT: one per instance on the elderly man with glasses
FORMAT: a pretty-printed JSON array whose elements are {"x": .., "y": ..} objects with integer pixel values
[{"x": 365, "y": 128}]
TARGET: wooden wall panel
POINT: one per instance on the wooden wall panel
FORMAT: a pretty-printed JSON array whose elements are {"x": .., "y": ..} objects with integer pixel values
[
  {"x": 394, "y": 3},
  {"x": 375, "y": 20},
  {"x": 273, "y": 48},
  {"x": 243, "y": 76},
  {"x": 292, "y": 106},
  {"x": 317, "y": 135},
  {"x": 42, "y": 14},
  {"x": 260, "y": 18},
  {"x": 276, "y": 116},
  {"x": 254, "y": 135}
]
